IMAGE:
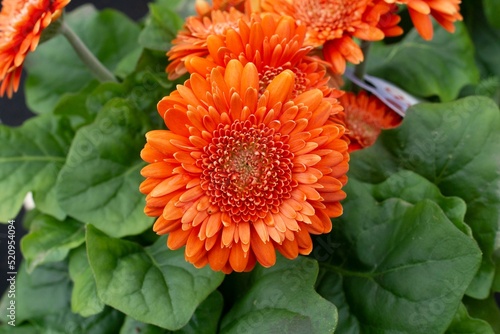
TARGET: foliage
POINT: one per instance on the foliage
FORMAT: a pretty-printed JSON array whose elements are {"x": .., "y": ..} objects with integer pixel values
[{"x": 416, "y": 250}]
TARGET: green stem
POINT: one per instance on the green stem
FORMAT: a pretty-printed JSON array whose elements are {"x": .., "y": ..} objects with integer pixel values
[
  {"x": 94, "y": 65},
  {"x": 360, "y": 69}
]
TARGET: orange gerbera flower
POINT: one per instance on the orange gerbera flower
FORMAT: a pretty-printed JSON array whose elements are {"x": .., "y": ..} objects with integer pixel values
[
  {"x": 193, "y": 39},
  {"x": 333, "y": 24},
  {"x": 446, "y": 12},
  {"x": 274, "y": 44},
  {"x": 21, "y": 25},
  {"x": 240, "y": 175},
  {"x": 365, "y": 116}
]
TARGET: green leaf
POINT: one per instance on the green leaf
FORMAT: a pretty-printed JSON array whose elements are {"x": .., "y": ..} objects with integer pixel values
[
  {"x": 73, "y": 105},
  {"x": 99, "y": 183},
  {"x": 486, "y": 309},
  {"x": 486, "y": 40},
  {"x": 30, "y": 160},
  {"x": 281, "y": 299},
  {"x": 204, "y": 320},
  {"x": 451, "y": 145},
  {"x": 426, "y": 68},
  {"x": 153, "y": 285},
  {"x": 161, "y": 28},
  {"x": 402, "y": 267},
  {"x": 50, "y": 240},
  {"x": 55, "y": 69},
  {"x": 492, "y": 11},
  {"x": 44, "y": 292},
  {"x": 414, "y": 188},
  {"x": 84, "y": 299},
  {"x": 67, "y": 322},
  {"x": 463, "y": 323}
]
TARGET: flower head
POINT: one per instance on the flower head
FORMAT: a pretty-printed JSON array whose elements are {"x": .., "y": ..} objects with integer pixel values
[
  {"x": 333, "y": 24},
  {"x": 192, "y": 40},
  {"x": 240, "y": 174},
  {"x": 21, "y": 25},
  {"x": 365, "y": 116},
  {"x": 446, "y": 12},
  {"x": 274, "y": 44}
]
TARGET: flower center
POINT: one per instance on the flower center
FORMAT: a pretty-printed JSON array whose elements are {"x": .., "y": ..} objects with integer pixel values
[
  {"x": 329, "y": 18},
  {"x": 363, "y": 127},
  {"x": 247, "y": 170}
]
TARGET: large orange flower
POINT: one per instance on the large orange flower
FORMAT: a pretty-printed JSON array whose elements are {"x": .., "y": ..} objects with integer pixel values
[
  {"x": 192, "y": 40},
  {"x": 365, "y": 116},
  {"x": 21, "y": 25},
  {"x": 334, "y": 23},
  {"x": 240, "y": 174},
  {"x": 274, "y": 44},
  {"x": 446, "y": 12}
]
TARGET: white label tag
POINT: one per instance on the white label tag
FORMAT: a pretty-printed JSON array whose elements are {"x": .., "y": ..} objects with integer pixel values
[{"x": 393, "y": 96}]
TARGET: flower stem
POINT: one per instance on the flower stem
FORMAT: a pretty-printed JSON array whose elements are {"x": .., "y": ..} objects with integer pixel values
[
  {"x": 360, "y": 69},
  {"x": 94, "y": 65}
]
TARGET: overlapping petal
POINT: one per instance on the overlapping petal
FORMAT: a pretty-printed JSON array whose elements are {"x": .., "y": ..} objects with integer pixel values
[
  {"x": 446, "y": 12},
  {"x": 334, "y": 24},
  {"x": 274, "y": 44}
]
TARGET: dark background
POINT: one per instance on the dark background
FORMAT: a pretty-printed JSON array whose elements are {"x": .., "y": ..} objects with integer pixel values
[{"x": 13, "y": 112}]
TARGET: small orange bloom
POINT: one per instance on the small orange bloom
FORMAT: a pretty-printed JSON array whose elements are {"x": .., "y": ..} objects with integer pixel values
[
  {"x": 333, "y": 24},
  {"x": 274, "y": 44},
  {"x": 365, "y": 117},
  {"x": 204, "y": 8},
  {"x": 240, "y": 174},
  {"x": 21, "y": 25},
  {"x": 193, "y": 39},
  {"x": 446, "y": 12}
]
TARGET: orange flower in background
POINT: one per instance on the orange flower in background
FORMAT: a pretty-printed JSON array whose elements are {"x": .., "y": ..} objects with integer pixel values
[
  {"x": 365, "y": 116},
  {"x": 384, "y": 16},
  {"x": 238, "y": 175},
  {"x": 446, "y": 12},
  {"x": 204, "y": 8},
  {"x": 21, "y": 25},
  {"x": 192, "y": 40},
  {"x": 333, "y": 24},
  {"x": 274, "y": 44}
]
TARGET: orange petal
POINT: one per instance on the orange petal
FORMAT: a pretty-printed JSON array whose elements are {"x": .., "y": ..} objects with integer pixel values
[{"x": 264, "y": 251}]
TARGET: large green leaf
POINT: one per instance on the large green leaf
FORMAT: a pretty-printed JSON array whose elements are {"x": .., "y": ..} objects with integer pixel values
[
  {"x": 99, "y": 182},
  {"x": 84, "y": 299},
  {"x": 281, "y": 299},
  {"x": 402, "y": 267},
  {"x": 463, "y": 323},
  {"x": 205, "y": 320},
  {"x": 30, "y": 160},
  {"x": 161, "y": 28},
  {"x": 153, "y": 285},
  {"x": 44, "y": 292},
  {"x": 426, "y": 68},
  {"x": 55, "y": 69},
  {"x": 50, "y": 240},
  {"x": 454, "y": 146}
]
